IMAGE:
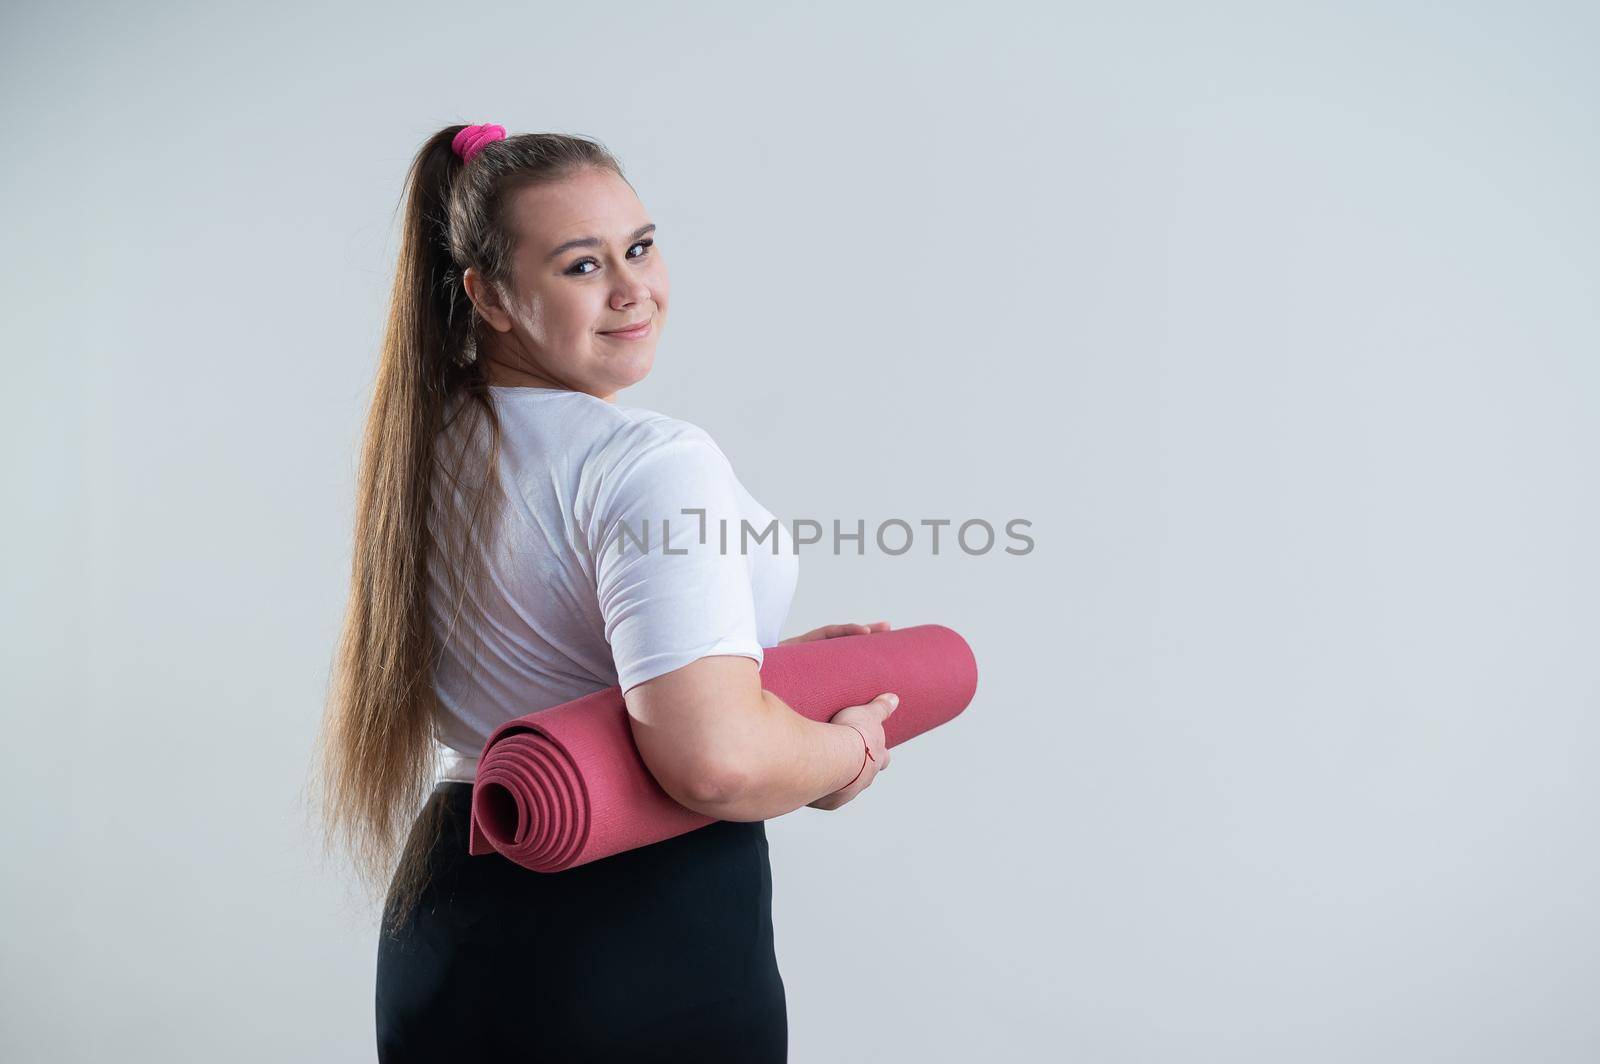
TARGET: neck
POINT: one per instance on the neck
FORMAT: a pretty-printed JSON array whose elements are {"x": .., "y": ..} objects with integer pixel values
[{"x": 502, "y": 374}]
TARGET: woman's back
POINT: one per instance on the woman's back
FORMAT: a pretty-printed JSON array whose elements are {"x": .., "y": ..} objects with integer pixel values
[{"x": 572, "y": 603}]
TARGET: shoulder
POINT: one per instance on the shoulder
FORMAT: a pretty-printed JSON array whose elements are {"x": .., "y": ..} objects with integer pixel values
[
  {"x": 591, "y": 438},
  {"x": 650, "y": 465},
  {"x": 638, "y": 427},
  {"x": 649, "y": 439}
]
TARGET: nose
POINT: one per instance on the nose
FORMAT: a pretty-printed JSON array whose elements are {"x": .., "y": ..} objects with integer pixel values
[{"x": 629, "y": 294}]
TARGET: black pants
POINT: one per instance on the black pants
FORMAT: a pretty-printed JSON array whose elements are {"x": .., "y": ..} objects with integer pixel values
[{"x": 663, "y": 953}]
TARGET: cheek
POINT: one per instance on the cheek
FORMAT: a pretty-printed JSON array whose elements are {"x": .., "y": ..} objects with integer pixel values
[{"x": 582, "y": 310}]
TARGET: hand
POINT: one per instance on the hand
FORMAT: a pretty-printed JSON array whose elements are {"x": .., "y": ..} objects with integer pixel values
[
  {"x": 834, "y": 631},
  {"x": 868, "y": 720}
]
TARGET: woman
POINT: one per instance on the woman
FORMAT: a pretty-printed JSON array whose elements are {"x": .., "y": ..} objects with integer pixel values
[{"x": 491, "y": 579}]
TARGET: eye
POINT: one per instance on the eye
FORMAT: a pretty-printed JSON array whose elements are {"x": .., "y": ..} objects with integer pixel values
[{"x": 575, "y": 272}]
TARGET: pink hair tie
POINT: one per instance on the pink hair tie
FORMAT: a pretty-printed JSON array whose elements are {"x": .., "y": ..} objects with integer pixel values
[{"x": 472, "y": 139}]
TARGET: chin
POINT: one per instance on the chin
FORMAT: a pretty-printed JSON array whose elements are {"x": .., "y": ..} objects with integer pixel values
[
  {"x": 646, "y": 362},
  {"x": 634, "y": 370}
]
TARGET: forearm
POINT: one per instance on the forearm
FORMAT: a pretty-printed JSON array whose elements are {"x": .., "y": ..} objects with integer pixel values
[{"x": 786, "y": 761}]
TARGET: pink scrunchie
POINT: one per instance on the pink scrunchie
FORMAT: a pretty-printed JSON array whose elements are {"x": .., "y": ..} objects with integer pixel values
[{"x": 471, "y": 139}]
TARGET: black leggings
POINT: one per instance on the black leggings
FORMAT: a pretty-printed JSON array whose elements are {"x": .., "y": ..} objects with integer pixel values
[{"x": 659, "y": 953}]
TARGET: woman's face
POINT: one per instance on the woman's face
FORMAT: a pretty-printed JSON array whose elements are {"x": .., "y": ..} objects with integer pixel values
[{"x": 585, "y": 265}]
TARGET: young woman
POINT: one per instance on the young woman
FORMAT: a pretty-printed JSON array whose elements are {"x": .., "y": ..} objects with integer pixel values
[{"x": 489, "y": 581}]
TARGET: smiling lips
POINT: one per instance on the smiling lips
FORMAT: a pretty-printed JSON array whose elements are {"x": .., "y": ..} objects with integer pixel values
[{"x": 632, "y": 332}]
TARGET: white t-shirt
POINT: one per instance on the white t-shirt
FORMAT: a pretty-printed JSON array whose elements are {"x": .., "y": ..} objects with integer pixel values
[{"x": 583, "y": 590}]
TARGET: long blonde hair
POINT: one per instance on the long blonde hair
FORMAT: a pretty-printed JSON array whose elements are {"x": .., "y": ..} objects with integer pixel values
[{"x": 374, "y": 763}]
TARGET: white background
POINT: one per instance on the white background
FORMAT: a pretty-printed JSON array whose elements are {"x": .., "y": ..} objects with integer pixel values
[{"x": 1278, "y": 322}]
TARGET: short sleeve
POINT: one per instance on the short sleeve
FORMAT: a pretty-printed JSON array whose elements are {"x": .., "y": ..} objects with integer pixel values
[{"x": 669, "y": 591}]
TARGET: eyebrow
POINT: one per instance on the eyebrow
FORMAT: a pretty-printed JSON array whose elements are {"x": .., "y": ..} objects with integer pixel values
[{"x": 594, "y": 241}]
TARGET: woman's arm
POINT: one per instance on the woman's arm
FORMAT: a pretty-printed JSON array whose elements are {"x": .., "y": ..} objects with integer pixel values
[{"x": 721, "y": 745}]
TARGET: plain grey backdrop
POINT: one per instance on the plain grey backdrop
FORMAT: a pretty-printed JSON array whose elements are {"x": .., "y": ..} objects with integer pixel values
[{"x": 1279, "y": 322}]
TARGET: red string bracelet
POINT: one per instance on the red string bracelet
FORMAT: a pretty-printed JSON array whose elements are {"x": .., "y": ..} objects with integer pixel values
[{"x": 864, "y": 760}]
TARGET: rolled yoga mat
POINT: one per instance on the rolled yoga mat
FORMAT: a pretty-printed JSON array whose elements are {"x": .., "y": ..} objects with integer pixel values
[{"x": 564, "y": 786}]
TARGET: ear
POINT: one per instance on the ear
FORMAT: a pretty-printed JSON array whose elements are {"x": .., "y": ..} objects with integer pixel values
[{"x": 486, "y": 298}]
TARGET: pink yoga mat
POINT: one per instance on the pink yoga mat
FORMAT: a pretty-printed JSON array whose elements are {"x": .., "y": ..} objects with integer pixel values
[{"x": 565, "y": 786}]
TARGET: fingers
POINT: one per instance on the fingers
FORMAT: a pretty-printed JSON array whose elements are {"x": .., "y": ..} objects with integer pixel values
[{"x": 834, "y": 631}]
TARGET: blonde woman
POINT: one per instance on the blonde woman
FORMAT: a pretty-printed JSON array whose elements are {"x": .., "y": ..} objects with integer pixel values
[{"x": 491, "y": 579}]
